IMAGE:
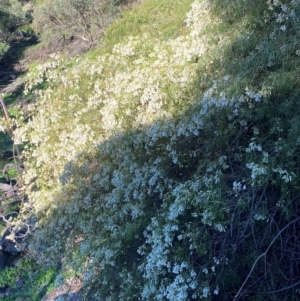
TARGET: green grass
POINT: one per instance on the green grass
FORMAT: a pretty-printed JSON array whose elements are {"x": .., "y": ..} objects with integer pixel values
[
  {"x": 35, "y": 281},
  {"x": 158, "y": 18}
]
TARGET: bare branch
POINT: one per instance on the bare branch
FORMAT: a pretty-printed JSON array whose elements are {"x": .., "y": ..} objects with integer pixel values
[{"x": 261, "y": 256}]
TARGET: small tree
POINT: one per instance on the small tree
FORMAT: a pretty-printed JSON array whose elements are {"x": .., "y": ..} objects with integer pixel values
[
  {"x": 82, "y": 19},
  {"x": 11, "y": 15}
]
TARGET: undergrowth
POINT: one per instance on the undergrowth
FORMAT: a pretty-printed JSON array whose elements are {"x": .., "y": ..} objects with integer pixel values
[
  {"x": 27, "y": 281},
  {"x": 166, "y": 165}
]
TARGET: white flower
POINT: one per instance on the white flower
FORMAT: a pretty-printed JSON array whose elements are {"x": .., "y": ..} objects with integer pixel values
[
  {"x": 259, "y": 217},
  {"x": 216, "y": 291},
  {"x": 283, "y": 27},
  {"x": 220, "y": 228},
  {"x": 205, "y": 292}
]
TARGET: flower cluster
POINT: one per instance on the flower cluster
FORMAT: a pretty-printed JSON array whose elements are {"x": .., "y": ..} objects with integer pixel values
[
  {"x": 169, "y": 185},
  {"x": 139, "y": 81},
  {"x": 282, "y": 12}
]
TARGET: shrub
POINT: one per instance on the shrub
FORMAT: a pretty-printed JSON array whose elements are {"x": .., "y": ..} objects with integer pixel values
[
  {"x": 11, "y": 15},
  {"x": 184, "y": 185}
]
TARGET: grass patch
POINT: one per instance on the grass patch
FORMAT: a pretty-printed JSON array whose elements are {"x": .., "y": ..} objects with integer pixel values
[
  {"x": 28, "y": 281},
  {"x": 159, "y": 19}
]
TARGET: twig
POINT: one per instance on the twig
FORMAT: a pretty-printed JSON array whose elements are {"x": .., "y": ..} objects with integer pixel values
[
  {"x": 280, "y": 290},
  {"x": 263, "y": 255}
]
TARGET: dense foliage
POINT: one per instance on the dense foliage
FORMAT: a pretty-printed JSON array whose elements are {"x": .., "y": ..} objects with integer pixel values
[
  {"x": 11, "y": 15},
  {"x": 168, "y": 168}
]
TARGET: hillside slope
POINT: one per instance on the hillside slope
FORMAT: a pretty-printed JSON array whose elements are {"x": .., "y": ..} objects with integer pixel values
[{"x": 165, "y": 165}]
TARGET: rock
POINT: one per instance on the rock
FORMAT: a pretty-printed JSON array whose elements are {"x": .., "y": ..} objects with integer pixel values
[
  {"x": 74, "y": 297},
  {"x": 7, "y": 154},
  {"x": 19, "y": 283},
  {"x": 6, "y": 260},
  {"x": 9, "y": 243},
  {"x": 66, "y": 292},
  {"x": 4, "y": 291}
]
